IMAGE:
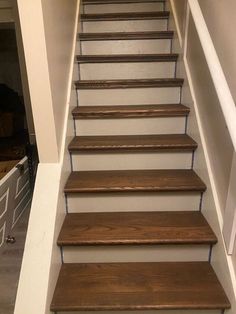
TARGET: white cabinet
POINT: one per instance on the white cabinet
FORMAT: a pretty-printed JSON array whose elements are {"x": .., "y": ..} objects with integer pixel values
[{"x": 15, "y": 195}]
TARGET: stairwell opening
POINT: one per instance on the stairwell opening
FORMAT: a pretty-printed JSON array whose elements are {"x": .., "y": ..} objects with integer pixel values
[{"x": 18, "y": 164}]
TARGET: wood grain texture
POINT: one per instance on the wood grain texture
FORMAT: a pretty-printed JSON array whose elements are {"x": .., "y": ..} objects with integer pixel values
[
  {"x": 167, "y": 57},
  {"x": 129, "y": 111},
  {"x": 135, "y": 228},
  {"x": 120, "y": 1},
  {"x": 126, "y": 35},
  {"x": 135, "y": 143},
  {"x": 134, "y": 181},
  {"x": 128, "y": 83},
  {"x": 138, "y": 286},
  {"x": 125, "y": 16}
]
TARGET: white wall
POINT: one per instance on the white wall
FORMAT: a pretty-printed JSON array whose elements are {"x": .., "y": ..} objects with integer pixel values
[
  {"x": 180, "y": 11},
  {"x": 42, "y": 259},
  {"x": 214, "y": 156},
  {"x": 217, "y": 137},
  {"x": 206, "y": 124},
  {"x": 215, "y": 130},
  {"x": 47, "y": 46},
  {"x": 220, "y": 18},
  {"x": 58, "y": 16}
]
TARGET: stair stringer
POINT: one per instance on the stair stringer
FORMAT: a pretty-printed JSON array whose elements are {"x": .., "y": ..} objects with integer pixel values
[{"x": 211, "y": 207}]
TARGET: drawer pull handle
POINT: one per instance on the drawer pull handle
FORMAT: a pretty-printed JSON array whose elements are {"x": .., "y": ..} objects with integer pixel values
[
  {"x": 10, "y": 240},
  {"x": 21, "y": 167}
]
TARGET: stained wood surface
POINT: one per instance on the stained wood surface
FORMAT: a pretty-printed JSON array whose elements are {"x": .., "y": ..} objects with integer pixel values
[
  {"x": 134, "y": 181},
  {"x": 125, "y": 16},
  {"x": 126, "y": 35},
  {"x": 129, "y": 111},
  {"x": 129, "y": 83},
  {"x": 120, "y": 1},
  {"x": 167, "y": 57},
  {"x": 138, "y": 286},
  {"x": 135, "y": 228},
  {"x": 175, "y": 142},
  {"x": 134, "y": 286}
]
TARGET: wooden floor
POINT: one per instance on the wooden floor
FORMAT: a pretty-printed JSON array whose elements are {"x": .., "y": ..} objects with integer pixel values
[{"x": 10, "y": 264}]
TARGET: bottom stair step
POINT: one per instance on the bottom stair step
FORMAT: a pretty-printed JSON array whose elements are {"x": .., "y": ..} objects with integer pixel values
[{"x": 138, "y": 286}]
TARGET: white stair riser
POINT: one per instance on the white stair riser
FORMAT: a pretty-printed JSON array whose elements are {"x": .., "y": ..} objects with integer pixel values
[
  {"x": 125, "y": 26},
  {"x": 139, "y": 70},
  {"x": 133, "y": 46},
  {"x": 132, "y": 253},
  {"x": 126, "y": 161},
  {"x": 148, "y": 312},
  {"x": 123, "y": 7},
  {"x": 129, "y": 96},
  {"x": 172, "y": 125},
  {"x": 123, "y": 202}
]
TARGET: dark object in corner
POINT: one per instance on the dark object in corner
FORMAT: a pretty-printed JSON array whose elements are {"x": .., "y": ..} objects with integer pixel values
[
  {"x": 10, "y": 101},
  {"x": 12, "y": 112}
]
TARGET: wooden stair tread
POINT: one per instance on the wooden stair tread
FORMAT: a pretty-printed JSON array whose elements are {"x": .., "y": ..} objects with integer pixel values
[
  {"x": 167, "y": 57},
  {"x": 126, "y": 35},
  {"x": 120, "y": 1},
  {"x": 129, "y": 111},
  {"x": 133, "y": 143},
  {"x": 138, "y": 286},
  {"x": 133, "y": 181},
  {"x": 180, "y": 227},
  {"x": 125, "y": 16},
  {"x": 129, "y": 83}
]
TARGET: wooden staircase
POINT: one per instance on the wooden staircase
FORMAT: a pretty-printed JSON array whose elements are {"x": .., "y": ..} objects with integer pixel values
[{"x": 134, "y": 237}]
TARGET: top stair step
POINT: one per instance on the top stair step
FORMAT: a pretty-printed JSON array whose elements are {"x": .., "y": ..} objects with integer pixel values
[
  {"x": 125, "y": 16},
  {"x": 166, "y": 57},
  {"x": 126, "y": 35}
]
